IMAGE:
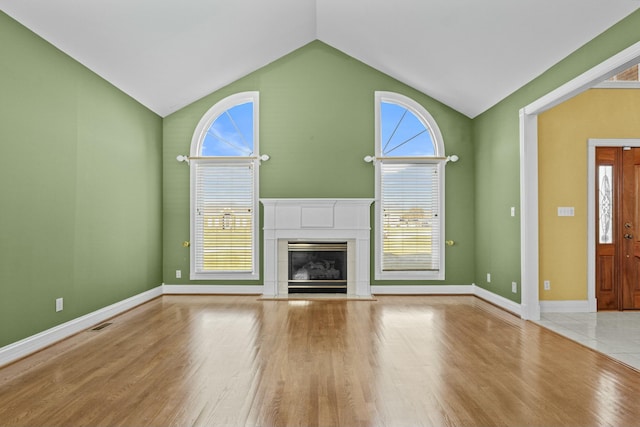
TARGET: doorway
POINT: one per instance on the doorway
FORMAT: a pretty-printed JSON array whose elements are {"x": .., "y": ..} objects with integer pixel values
[
  {"x": 530, "y": 303},
  {"x": 617, "y": 226}
]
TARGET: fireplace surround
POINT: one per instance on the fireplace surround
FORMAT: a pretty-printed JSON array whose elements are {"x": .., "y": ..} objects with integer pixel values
[{"x": 320, "y": 221}]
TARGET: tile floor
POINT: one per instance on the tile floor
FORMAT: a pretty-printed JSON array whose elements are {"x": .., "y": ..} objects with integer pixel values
[{"x": 614, "y": 333}]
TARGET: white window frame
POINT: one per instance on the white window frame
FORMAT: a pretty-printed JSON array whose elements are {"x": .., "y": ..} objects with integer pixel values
[
  {"x": 195, "y": 158},
  {"x": 421, "y": 113}
]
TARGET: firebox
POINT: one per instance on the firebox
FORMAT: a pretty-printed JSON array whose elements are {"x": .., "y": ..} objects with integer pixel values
[{"x": 317, "y": 267}]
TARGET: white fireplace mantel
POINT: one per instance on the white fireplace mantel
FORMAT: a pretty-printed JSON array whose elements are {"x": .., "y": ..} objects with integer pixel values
[{"x": 321, "y": 220}]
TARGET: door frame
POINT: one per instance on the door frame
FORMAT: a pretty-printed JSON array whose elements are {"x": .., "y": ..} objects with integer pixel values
[
  {"x": 592, "y": 143},
  {"x": 529, "y": 226}
]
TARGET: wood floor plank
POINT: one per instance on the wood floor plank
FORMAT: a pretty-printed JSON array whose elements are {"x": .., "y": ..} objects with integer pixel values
[{"x": 239, "y": 361}]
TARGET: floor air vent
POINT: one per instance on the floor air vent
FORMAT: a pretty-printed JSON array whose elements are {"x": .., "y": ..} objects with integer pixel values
[{"x": 101, "y": 327}]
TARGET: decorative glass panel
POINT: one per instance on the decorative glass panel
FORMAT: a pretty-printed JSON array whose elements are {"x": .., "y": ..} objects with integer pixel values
[
  {"x": 605, "y": 203},
  {"x": 403, "y": 134}
]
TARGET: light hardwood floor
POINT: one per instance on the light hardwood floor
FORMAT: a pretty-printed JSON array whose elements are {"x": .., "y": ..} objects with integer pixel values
[{"x": 397, "y": 361}]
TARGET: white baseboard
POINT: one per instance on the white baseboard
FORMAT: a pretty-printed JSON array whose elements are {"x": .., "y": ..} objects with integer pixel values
[
  {"x": 211, "y": 289},
  {"x": 422, "y": 290},
  {"x": 29, "y": 345},
  {"x": 472, "y": 289},
  {"x": 498, "y": 300},
  {"x": 567, "y": 306}
]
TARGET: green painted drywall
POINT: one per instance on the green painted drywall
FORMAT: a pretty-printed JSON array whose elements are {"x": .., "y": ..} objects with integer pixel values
[
  {"x": 317, "y": 124},
  {"x": 497, "y": 147},
  {"x": 80, "y": 188}
]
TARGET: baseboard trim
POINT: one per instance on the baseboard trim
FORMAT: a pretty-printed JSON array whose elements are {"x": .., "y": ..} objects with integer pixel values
[
  {"x": 211, "y": 289},
  {"x": 472, "y": 289},
  {"x": 567, "y": 306},
  {"x": 498, "y": 300},
  {"x": 422, "y": 290},
  {"x": 19, "y": 349}
]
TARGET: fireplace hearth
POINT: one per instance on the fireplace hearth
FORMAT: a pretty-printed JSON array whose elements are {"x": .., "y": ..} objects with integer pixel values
[{"x": 317, "y": 267}]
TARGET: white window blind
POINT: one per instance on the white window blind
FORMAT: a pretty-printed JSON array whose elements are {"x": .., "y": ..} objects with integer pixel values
[
  {"x": 410, "y": 216},
  {"x": 224, "y": 216}
]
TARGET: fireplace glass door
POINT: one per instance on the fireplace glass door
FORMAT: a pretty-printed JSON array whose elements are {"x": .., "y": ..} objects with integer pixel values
[{"x": 317, "y": 267}]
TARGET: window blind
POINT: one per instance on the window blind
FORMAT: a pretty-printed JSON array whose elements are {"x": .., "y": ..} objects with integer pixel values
[
  {"x": 224, "y": 217},
  {"x": 411, "y": 226}
]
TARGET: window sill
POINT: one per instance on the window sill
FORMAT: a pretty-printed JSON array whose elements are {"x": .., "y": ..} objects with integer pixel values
[
  {"x": 223, "y": 275},
  {"x": 409, "y": 275}
]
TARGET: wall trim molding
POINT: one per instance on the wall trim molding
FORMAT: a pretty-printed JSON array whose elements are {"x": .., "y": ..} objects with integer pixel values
[
  {"x": 498, "y": 300},
  {"x": 472, "y": 289},
  {"x": 566, "y": 306},
  {"x": 19, "y": 349},
  {"x": 168, "y": 289},
  {"x": 595, "y": 75}
]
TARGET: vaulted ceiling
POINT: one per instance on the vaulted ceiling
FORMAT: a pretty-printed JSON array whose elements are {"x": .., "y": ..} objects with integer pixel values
[{"x": 468, "y": 54}]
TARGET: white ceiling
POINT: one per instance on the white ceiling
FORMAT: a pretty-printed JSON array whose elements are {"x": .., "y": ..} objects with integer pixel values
[{"x": 469, "y": 54}]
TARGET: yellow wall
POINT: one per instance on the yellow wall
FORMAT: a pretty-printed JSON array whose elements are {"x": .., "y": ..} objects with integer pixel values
[{"x": 562, "y": 148}]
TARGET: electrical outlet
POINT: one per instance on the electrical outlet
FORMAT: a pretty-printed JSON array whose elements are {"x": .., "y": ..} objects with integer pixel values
[
  {"x": 178, "y": 274},
  {"x": 488, "y": 277},
  {"x": 514, "y": 287},
  {"x": 59, "y": 304},
  {"x": 547, "y": 285}
]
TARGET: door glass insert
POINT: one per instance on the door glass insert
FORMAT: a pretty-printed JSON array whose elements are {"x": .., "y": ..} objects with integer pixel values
[{"x": 605, "y": 203}]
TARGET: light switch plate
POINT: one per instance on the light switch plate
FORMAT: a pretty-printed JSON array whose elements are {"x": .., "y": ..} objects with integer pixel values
[{"x": 566, "y": 211}]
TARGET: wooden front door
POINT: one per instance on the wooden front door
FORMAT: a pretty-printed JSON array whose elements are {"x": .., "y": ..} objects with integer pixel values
[{"x": 618, "y": 228}]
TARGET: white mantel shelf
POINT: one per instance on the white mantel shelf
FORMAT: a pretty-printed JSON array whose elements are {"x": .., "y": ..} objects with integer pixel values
[{"x": 317, "y": 220}]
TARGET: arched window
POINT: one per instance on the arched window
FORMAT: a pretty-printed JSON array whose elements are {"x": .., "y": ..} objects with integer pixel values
[
  {"x": 409, "y": 191},
  {"x": 224, "y": 191}
]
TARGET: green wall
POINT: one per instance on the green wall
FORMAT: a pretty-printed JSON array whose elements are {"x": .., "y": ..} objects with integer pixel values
[
  {"x": 80, "y": 188},
  {"x": 317, "y": 124},
  {"x": 497, "y": 147}
]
